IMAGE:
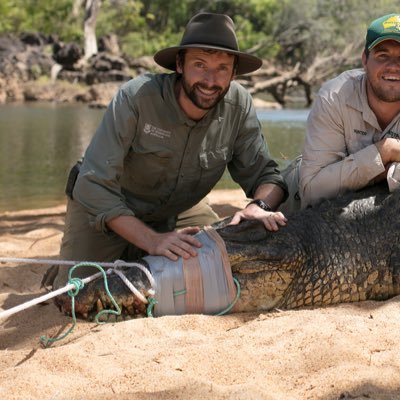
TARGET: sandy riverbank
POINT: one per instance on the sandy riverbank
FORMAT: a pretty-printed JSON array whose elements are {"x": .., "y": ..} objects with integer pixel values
[{"x": 343, "y": 352}]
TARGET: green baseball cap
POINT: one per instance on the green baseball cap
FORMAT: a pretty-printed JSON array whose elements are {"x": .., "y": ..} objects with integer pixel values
[{"x": 383, "y": 28}]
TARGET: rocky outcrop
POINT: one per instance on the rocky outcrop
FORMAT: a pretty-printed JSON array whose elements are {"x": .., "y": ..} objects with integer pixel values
[
  {"x": 22, "y": 60},
  {"x": 37, "y": 67}
]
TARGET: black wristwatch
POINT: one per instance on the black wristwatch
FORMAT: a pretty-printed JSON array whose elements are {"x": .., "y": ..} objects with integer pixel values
[{"x": 262, "y": 204}]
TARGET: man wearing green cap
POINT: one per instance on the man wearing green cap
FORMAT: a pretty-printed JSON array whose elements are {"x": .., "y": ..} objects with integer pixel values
[
  {"x": 164, "y": 142},
  {"x": 353, "y": 129}
]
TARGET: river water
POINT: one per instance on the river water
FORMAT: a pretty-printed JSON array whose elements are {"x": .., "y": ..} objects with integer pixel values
[{"x": 40, "y": 142}]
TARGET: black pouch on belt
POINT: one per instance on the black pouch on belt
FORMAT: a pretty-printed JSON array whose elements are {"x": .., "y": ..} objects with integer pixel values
[{"x": 73, "y": 175}]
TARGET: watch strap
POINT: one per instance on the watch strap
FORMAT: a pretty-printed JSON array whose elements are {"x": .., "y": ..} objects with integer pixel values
[{"x": 262, "y": 204}]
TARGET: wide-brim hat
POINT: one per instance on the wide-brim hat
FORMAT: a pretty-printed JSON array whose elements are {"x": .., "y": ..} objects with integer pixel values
[{"x": 210, "y": 31}]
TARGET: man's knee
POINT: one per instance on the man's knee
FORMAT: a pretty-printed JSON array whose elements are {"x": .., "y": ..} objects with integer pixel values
[
  {"x": 82, "y": 243},
  {"x": 200, "y": 215}
]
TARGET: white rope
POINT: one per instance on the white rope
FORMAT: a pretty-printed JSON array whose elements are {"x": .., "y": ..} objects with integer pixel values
[
  {"x": 45, "y": 297},
  {"x": 46, "y": 261},
  {"x": 122, "y": 263},
  {"x": 130, "y": 286},
  {"x": 43, "y": 261},
  {"x": 117, "y": 263},
  {"x": 116, "y": 270},
  {"x": 114, "y": 267},
  {"x": 114, "y": 264}
]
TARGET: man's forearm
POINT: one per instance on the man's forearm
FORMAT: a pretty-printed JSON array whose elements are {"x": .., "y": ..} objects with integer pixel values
[
  {"x": 271, "y": 194},
  {"x": 133, "y": 230}
]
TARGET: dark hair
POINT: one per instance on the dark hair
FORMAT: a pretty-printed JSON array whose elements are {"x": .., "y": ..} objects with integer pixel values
[{"x": 181, "y": 56}]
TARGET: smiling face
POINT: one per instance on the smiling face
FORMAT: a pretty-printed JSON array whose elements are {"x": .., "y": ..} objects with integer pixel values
[
  {"x": 382, "y": 67},
  {"x": 206, "y": 76}
]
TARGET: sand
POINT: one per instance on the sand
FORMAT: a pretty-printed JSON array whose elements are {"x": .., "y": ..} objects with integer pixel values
[{"x": 349, "y": 351}]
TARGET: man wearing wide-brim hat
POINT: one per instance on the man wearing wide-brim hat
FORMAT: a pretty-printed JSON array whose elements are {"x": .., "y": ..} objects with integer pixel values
[{"x": 164, "y": 142}]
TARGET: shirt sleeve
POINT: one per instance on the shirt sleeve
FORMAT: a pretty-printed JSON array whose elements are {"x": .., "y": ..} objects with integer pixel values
[
  {"x": 97, "y": 187},
  {"x": 252, "y": 165},
  {"x": 327, "y": 168}
]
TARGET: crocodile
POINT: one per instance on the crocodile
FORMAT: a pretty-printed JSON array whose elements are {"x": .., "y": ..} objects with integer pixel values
[{"x": 343, "y": 250}]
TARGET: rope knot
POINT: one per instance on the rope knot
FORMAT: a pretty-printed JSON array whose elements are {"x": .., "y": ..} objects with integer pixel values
[
  {"x": 119, "y": 263},
  {"x": 78, "y": 285}
]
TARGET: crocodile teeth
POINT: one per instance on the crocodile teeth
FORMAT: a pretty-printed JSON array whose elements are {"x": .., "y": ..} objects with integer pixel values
[{"x": 99, "y": 305}]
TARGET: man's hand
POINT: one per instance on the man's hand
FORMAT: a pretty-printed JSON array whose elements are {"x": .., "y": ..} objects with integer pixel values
[
  {"x": 175, "y": 244},
  {"x": 389, "y": 149},
  {"x": 271, "y": 220}
]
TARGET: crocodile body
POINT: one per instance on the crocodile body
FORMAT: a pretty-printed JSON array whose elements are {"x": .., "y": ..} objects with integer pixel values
[{"x": 343, "y": 250}]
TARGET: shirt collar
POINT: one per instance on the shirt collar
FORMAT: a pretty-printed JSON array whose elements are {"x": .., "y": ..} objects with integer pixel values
[{"x": 358, "y": 100}]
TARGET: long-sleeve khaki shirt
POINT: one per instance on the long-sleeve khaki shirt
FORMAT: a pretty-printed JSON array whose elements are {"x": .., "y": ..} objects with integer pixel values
[
  {"x": 148, "y": 159},
  {"x": 339, "y": 153}
]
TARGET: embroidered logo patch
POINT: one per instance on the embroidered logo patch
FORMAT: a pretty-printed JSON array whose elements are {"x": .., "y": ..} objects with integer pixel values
[
  {"x": 152, "y": 130},
  {"x": 358, "y": 132},
  {"x": 392, "y": 23},
  {"x": 394, "y": 135}
]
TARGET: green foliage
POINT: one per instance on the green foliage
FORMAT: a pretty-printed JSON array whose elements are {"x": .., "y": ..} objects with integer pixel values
[
  {"x": 137, "y": 44},
  {"x": 253, "y": 19},
  {"x": 46, "y": 16},
  {"x": 285, "y": 30},
  {"x": 6, "y": 11},
  {"x": 36, "y": 71},
  {"x": 119, "y": 17},
  {"x": 324, "y": 26}
]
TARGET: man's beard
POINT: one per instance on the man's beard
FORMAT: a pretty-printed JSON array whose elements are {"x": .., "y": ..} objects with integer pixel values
[
  {"x": 383, "y": 93},
  {"x": 197, "y": 100}
]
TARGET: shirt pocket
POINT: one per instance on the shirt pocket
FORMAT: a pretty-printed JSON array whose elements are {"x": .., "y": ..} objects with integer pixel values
[
  {"x": 213, "y": 164},
  {"x": 146, "y": 171}
]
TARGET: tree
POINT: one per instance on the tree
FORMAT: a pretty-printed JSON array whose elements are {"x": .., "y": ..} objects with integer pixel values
[{"x": 91, "y": 10}]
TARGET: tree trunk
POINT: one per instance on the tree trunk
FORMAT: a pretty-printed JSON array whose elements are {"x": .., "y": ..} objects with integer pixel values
[{"x": 91, "y": 10}]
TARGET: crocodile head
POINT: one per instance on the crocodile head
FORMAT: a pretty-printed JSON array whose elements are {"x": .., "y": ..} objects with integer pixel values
[{"x": 264, "y": 262}]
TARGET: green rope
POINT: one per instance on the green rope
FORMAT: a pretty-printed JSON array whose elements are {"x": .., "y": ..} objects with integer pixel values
[
  {"x": 180, "y": 292},
  {"x": 230, "y": 306},
  {"x": 152, "y": 302},
  {"x": 78, "y": 285}
]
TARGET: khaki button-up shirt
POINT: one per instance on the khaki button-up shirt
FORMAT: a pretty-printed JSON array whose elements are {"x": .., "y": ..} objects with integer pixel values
[
  {"x": 150, "y": 160},
  {"x": 339, "y": 153}
]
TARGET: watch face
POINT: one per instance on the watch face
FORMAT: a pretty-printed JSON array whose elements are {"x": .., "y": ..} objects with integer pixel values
[{"x": 262, "y": 205}]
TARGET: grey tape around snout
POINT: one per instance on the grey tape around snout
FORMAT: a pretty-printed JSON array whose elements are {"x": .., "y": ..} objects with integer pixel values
[{"x": 170, "y": 281}]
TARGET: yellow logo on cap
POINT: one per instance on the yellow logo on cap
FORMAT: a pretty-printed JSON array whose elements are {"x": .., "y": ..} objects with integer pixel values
[{"x": 392, "y": 23}]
